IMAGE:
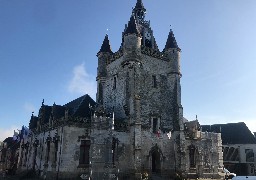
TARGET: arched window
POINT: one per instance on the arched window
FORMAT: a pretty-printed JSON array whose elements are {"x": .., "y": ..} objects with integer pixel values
[{"x": 192, "y": 160}]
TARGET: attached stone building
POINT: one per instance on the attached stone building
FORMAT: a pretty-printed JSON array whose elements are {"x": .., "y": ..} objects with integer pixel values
[
  {"x": 136, "y": 127},
  {"x": 9, "y": 156},
  {"x": 239, "y": 147}
]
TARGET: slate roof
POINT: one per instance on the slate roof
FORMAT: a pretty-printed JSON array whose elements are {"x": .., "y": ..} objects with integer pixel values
[
  {"x": 232, "y": 133},
  {"x": 8, "y": 140},
  {"x": 13, "y": 145},
  {"x": 33, "y": 122},
  {"x": 171, "y": 41},
  {"x": 132, "y": 27},
  {"x": 58, "y": 111},
  {"x": 46, "y": 113},
  {"x": 80, "y": 106},
  {"x": 105, "y": 47}
]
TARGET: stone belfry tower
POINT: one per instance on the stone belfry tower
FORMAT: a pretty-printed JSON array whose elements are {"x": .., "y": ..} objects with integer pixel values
[
  {"x": 139, "y": 69},
  {"x": 141, "y": 85},
  {"x": 147, "y": 133}
]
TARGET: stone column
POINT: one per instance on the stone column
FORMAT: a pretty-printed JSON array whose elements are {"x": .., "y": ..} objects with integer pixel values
[{"x": 137, "y": 139}]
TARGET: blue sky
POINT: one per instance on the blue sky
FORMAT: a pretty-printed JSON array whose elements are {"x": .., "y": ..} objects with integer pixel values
[{"x": 48, "y": 51}]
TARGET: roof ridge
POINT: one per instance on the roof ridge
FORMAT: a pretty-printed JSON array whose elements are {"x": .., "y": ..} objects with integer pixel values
[{"x": 74, "y": 100}]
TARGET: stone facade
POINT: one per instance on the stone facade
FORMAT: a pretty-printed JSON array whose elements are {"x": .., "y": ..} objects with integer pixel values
[{"x": 135, "y": 130}]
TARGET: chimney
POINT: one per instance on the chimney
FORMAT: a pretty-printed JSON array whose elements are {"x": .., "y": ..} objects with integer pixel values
[{"x": 254, "y": 134}]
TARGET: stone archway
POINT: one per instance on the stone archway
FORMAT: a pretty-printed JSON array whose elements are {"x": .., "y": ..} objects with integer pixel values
[
  {"x": 155, "y": 159},
  {"x": 155, "y": 162}
]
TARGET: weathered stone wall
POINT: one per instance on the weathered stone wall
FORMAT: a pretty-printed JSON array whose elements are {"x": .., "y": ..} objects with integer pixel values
[
  {"x": 68, "y": 150},
  {"x": 155, "y": 101}
]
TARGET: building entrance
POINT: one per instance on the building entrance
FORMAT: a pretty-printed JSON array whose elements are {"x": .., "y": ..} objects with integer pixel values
[{"x": 156, "y": 165}]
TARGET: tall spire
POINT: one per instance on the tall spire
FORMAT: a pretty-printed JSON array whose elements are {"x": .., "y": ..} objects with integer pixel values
[
  {"x": 139, "y": 11},
  {"x": 139, "y": 5},
  {"x": 132, "y": 27},
  {"x": 105, "y": 47},
  {"x": 171, "y": 41}
]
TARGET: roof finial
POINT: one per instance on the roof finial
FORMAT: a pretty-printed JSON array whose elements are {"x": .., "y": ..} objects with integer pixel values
[{"x": 196, "y": 117}]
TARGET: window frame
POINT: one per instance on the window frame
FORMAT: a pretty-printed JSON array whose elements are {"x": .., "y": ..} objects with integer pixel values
[{"x": 84, "y": 156}]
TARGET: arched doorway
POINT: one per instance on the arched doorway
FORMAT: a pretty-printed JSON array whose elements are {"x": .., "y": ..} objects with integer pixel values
[{"x": 156, "y": 163}]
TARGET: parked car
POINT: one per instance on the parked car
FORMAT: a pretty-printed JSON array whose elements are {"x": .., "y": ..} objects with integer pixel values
[{"x": 228, "y": 175}]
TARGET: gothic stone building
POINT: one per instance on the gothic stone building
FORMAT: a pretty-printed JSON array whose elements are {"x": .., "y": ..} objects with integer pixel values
[{"x": 136, "y": 128}]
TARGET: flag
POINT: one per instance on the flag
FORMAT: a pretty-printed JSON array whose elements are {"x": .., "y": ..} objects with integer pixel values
[{"x": 158, "y": 133}]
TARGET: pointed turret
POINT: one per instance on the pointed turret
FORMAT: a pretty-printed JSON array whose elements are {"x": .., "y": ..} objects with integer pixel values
[
  {"x": 171, "y": 42},
  {"x": 139, "y": 11},
  {"x": 131, "y": 39},
  {"x": 103, "y": 56},
  {"x": 132, "y": 27},
  {"x": 105, "y": 47}
]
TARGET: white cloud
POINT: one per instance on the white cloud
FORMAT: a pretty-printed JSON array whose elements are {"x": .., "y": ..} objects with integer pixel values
[
  {"x": 29, "y": 107},
  {"x": 82, "y": 82},
  {"x": 7, "y": 132}
]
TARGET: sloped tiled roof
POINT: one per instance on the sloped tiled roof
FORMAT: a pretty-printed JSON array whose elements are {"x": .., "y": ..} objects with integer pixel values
[
  {"x": 46, "y": 113},
  {"x": 8, "y": 140},
  {"x": 12, "y": 144},
  {"x": 80, "y": 106},
  {"x": 58, "y": 111},
  {"x": 232, "y": 133},
  {"x": 33, "y": 122}
]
